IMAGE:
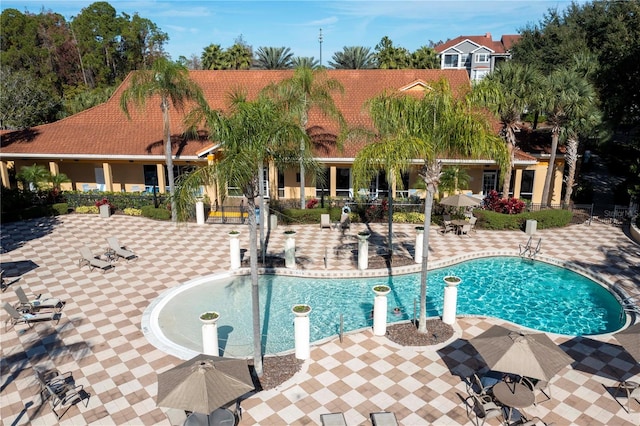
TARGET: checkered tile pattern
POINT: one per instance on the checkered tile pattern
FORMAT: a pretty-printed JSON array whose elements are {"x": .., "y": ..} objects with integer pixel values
[{"x": 100, "y": 341}]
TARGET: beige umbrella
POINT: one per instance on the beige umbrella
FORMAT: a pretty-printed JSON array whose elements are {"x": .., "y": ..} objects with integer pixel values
[
  {"x": 531, "y": 355},
  {"x": 629, "y": 338},
  {"x": 460, "y": 200},
  {"x": 204, "y": 383}
]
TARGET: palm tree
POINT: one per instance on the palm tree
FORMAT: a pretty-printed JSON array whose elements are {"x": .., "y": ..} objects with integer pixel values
[
  {"x": 239, "y": 56},
  {"x": 307, "y": 89},
  {"x": 252, "y": 133},
  {"x": 566, "y": 95},
  {"x": 425, "y": 58},
  {"x": 507, "y": 93},
  {"x": 213, "y": 58},
  {"x": 274, "y": 58},
  {"x": 169, "y": 81},
  {"x": 453, "y": 178},
  {"x": 33, "y": 177},
  {"x": 353, "y": 58},
  {"x": 428, "y": 129},
  {"x": 305, "y": 62},
  {"x": 389, "y": 57}
]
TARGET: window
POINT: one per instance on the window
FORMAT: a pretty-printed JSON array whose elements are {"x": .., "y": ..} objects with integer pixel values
[
  {"x": 526, "y": 184},
  {"x": 465, "y": 60},
  {"x": 451, "y": 60},
  {"x": 489, "y": 181},
  {"x": 482, "y": 57},
  {"x": 343, "y": 182},
  {"x": 280, "y": 184},
  {"x": 479, "y": 74}
]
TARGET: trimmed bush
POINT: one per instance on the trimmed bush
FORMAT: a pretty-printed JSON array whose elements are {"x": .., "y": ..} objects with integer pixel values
[
  {"x": 87, "y": 209},
  {"x": 551, "y": 218},
  {"x": 309, "y": 215},
  {"x": 153, "y": 213},
  {"x": 132, "y": 212},
  {"x": 61, "y": 208},
  {"x": 408, "y": 217}
]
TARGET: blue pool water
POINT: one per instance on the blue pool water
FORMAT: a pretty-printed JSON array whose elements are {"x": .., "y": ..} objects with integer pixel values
[{"x": 532, "y": 294}]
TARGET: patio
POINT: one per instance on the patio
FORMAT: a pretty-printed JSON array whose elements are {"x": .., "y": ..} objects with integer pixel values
[{"x": 100, "y": 341}]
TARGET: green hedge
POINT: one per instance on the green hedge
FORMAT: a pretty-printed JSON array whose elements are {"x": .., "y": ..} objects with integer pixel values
[
  {"x": 61, "y": 208},
  {"x": 293, "y": 216},
  {"x": 153, "y": 213},
  {"x": 120, "y": 200},
  {"x": 551, "y": 218}
]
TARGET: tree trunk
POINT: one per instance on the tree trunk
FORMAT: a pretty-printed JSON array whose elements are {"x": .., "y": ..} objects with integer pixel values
[
  {"x": 169, "y": 157},
  {"x": 255, "y": 290},
  {"x": 548, "y": 181},
  {"x": 571, "y": 158},
  {"x": 506, "y": 186}
]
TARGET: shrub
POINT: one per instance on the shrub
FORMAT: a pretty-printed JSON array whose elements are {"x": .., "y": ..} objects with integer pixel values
[
  {"x": 87, "y": 209},
  {"x": 312, "y": 203},
  {"x": 132, "y": 212},
  {"x": 551, "y": 218},
  {"x": 153, "y": 213},
  {"x": 308, "y": 215},
  {"x": 408, "y": 217},
  {"x": 494, "y": 203},
  {"x": 61, "y": 208}
]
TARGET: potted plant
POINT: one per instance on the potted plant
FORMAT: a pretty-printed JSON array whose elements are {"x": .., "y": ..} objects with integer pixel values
[
  {"x": 209, "y": 317},
  {"x": 364, "y": 235},
  {"x": 234, "y": 233},
  {"x": 381, "y": 289},
  {"x": 289, "y": 233},
  {"x": 301, "y": 310},
  {"x": 452, "y": 280},
  {"x": 105, "y": 207}
]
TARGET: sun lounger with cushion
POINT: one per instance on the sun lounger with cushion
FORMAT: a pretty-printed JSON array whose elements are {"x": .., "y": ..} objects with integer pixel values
[
  {"x": 92, "y": 261},
  {"x": 119, "y": 250},
  {"x": 383, "y": 418},
  {"x": 333, "y": 419},
  {"x": 16, "y": 317},
  {"x": 38, "y": 302}
]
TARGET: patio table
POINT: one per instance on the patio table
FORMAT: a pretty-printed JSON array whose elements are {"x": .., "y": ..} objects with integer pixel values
[{"x": 513, "y": 395}]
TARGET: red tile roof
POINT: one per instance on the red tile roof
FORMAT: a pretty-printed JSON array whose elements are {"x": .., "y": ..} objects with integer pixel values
[
  {"x": 501, "y": 46},
  {"x": 104, "y": 131}
]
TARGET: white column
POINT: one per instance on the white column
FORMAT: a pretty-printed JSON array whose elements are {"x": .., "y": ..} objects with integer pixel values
[
  {"x": 290, "y": 250},
  {"x": 380, "y": 315},
  {"x": 200, "y": 212},
  {"x": 363, "y": 252},
  {"x": 210, "y": 336},
  {"x": 301, "y": 325},
  {"x": 418, "y": 246},
  {"x": 234, "y": 250},
  {"x": 450, "y": 300}
]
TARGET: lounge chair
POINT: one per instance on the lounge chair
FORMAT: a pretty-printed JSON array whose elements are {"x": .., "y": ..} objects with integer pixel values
[
  {"x": 333, "y": 419},
  {"x": 16, "y": 317},
  {"x": 176, "y": 417},
  {"x": 115, "y": 248},
  {"x": 92, "y": 261},
  {"x": 37, "y": 303},
  {"x": 383, "y": 418},
  {"x": 325, "y": 221}
]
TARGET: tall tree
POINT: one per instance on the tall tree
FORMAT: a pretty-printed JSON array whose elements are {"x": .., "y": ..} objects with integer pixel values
[
  {"x": 426, "y": 129},
  {"x": 305, "y": 62},
  {"x": 274, "y": 58},
  {"x": 507, "y": 92},
  {"x": 425, "y": 58},
  {"x": 141, "y": 42},
  {"x": 170, "y": 82},
  {"x": 353, "y": 58},
  {"x": 565, "y": 95},
  {"x": 297, "y": 95},
  {"x": 24, "y": 102},
  {"x": 213, "y": 58},
  {"x": 239, "y": 56},
  {"x": 251, "y": 133},
  {"x": 390, "y": 57}
]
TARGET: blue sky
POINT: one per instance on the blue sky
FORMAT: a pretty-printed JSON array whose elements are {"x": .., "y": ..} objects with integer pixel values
[{"x": 193, "y": 25}]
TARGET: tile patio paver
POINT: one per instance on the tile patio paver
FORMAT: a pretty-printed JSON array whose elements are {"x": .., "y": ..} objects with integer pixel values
[{"x": 99, "y": 337}]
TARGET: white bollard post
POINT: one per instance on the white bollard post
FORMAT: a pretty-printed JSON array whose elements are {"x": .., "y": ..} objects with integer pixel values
[
  {"x": 210, "y": 333},
  {"x": 363, "y": 250},
  {"x": 199, "y": 212},
  {"x": 419, "y": 242},
  {"x": 302, "y": 332},
  {"x": 450, "y": 299},
  {"x": 234, "y": 249},
  {"x": 380, "y": 310},
  {"x": 290, "y": 249}
]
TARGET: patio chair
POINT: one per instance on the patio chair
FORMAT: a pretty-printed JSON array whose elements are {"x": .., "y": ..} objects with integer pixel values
[
  {"x": 120, "y": 251},
  {"x": 345, "y": 222},
  {"x": 540, "y": 385},
  {"x": 93, "y": 261},
  {"x": 476, "y": 387},
  {"x": 37, "y": 303},
  {"x": 464, "y": 229},
  {"x": 16, "y": 317},
  {"x": 472, "y": 222},
  {"x": 65, "y": 398},
  {"x": 483, "y": 407},
  {"x": 57, "y": 382},
  {"x": 631, "y": 391},
  {"x": 325, "y": 221},
  {"x": 176, "y": 417},
  {"x": 383, "y": 418},
  {"x": 534, "y": 421},
  {"x": 333, "y": 419}
]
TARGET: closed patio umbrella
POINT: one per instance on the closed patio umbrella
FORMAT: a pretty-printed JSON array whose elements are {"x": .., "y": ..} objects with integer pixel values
[
  {"x": 629, "y": 338},
  {"x": 460, "y": 200},
  {"x": 532, "y": 355},
  {"x": 204, "y": 383}
]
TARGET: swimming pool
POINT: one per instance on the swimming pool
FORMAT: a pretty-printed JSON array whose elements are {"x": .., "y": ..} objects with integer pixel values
[{"x": 529, "y": 293}]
